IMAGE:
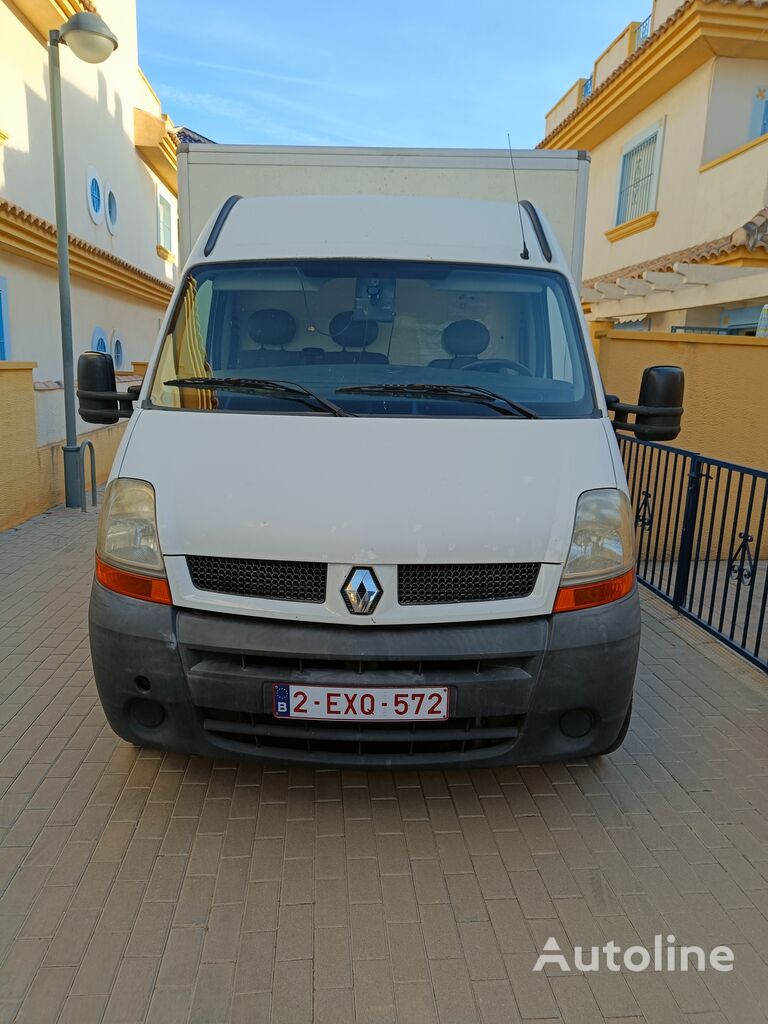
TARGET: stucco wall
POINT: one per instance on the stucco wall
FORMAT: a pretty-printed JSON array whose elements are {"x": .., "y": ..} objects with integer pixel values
[
  {"x": 564, "y": 106},
  {"x": 730, "y": 105},
  {"x": 693, "y": 207},
  {"x": 33, "y": 313},
  {"x": 662, "y": 9},
  {"x": 725, "y": 387},
  {"x": 98, "y": 104},
  {"x": 614, "y": 55},
  {"x": 31, "y": 476}
]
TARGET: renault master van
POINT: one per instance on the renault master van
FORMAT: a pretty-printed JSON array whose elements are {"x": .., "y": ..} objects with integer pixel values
[{"x": 369, "y": 507}]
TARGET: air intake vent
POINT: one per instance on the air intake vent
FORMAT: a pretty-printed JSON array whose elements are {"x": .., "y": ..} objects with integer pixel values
[
  {"x": 457, "y": 583},
  {"x": 253, "y": 577}
]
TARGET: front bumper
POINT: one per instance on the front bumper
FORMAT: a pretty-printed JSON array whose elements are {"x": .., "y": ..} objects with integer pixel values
[{"x": 510, "y": 682}]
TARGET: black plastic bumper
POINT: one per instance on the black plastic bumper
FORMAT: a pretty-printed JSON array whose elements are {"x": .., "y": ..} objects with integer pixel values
[{"x": 192, "y": 682}]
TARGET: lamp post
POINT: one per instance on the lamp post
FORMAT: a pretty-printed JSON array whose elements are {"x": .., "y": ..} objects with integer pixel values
[{"x": 90, "y": 39}]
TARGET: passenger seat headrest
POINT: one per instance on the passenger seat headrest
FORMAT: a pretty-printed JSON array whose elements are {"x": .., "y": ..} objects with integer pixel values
[
  {"x": 466, "y": 338},
  {"x": 271, "y": 327},
  {"x": 350, "y": 333}
]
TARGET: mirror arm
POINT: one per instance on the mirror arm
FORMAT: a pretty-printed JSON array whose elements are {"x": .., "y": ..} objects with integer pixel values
[
  {"x": 122, "y": 396},
  {"x": 644, "y": 410},
  {"x": 109, "y": 417},
  {"x": 125, "y": 407},
  {"x": 621, "y": 411}
]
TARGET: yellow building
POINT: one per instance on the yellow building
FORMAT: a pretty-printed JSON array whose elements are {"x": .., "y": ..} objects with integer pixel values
[
  {"x": 675, "y": 117},
  {"x": 121, "y": 204}
]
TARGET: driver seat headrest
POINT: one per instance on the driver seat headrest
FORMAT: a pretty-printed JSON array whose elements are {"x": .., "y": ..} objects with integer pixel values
[
  {"x": 350, "y": 333},
  {"x": 466, "y": 338},
  {"x": 271, "y": 327}
]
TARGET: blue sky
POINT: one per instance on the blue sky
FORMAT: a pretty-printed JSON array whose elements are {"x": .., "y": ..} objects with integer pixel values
[{"x": 339, "y": 72}]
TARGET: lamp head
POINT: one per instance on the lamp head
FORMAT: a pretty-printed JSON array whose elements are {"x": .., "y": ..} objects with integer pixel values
[{"x": 89, "y": 37}]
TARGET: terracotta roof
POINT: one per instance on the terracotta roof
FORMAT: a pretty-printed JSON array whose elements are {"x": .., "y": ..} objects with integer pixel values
[
  {"x": 753, "y": 235},
  {"x": 184, "y": 134},
  {"x": 665, "y": 25},
  {"x": 19, "y": 213}
]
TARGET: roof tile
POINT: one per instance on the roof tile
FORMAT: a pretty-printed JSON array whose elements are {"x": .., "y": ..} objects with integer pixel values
[{"x": 753, "y": 235}]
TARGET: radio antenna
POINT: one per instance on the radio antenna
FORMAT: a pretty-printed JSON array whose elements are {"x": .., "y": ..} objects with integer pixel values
[{"x": 524, "y": 255}]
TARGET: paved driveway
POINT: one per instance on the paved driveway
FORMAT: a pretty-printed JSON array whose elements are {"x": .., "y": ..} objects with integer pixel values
[{"x": 140, "y": 886}]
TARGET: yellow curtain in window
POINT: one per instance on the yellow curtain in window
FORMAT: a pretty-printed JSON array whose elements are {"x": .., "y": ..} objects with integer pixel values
[{"x": 190, "y": 353}]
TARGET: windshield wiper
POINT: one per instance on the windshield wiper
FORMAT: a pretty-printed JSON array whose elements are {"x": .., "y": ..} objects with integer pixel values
[
  {"x": 462, "y": 392},
  {"x": 258, "y": 386}
]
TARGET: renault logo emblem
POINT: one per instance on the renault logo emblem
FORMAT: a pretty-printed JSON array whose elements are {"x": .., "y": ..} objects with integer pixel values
[{"x": 361, "y": 591}]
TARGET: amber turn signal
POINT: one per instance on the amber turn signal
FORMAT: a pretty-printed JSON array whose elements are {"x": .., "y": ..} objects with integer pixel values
[
  {"x": 590, "y": 595},
  {"x": 133, "y": 584}
]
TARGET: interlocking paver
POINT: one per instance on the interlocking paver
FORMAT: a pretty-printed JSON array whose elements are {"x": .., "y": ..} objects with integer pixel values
[{"x": 138, "y": 886}]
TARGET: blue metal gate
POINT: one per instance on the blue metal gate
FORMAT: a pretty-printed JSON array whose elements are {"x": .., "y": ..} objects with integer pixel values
[{"x": 702, "y": 542}]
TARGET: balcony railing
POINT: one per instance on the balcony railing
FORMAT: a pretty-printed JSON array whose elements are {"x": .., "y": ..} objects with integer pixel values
[
  {"x": 642, "y": 32},
  {"x": 586, "y": 88},
  {"x": 678, "y": 329},
  {"x": 728, "y": 331}
]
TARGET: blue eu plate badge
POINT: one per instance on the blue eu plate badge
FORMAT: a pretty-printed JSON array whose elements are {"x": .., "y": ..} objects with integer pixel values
[{"x": 282, "y": 702}]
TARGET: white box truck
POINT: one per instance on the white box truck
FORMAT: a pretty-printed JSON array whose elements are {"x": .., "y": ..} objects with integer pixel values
[
  {"x": 555, "y": 181},
  {"x": 369, "y": 507}
]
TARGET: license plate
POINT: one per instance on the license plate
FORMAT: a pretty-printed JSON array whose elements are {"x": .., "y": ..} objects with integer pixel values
[{"x": 357, "y": 704}]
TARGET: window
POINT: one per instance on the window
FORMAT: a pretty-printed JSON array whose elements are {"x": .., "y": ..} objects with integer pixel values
[
  {"x": 117, "y": 349},
  {"x": 164, "y": 234},
  {"x": 5, "y": 334},
  {"x": 639, "y": 175},
  {"x": 758, "y": 122},
  {"x": 384, "y": 338},
  {"x": 110, "y": 209},
  {"x": 94, "y": 191},
  {"x": 99, "y": 340}
]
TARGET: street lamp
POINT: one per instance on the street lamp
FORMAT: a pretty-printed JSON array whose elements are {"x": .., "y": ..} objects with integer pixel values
[{"x": 90, "y": 39}]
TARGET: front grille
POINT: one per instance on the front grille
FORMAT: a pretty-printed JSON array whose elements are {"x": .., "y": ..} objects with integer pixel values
[
  {"x": 255, "y": 577},
  {"x": 456, "y": 583},
  {"x": 418, "y": 584},
  {"x": 244, "y": 731}
]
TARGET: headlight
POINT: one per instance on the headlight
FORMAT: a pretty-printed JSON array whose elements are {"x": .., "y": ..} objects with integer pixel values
[
  {"x": 603, "y": 542},
  {"x": 127, "y": 536}
]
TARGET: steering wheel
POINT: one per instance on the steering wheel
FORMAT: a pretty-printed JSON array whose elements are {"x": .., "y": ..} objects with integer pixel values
[{"x": 495, "y": 365}]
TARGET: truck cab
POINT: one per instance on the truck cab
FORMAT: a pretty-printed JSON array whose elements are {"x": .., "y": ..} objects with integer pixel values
[{"x": 369, "y": 507}]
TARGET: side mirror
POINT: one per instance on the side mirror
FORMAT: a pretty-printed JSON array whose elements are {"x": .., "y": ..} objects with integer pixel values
[
  {"x": 96, "y": 388},
  {"x": 100, "y": 402},
  {"x": 661, "y": 389},
  {"x": 659, "y": 409}
]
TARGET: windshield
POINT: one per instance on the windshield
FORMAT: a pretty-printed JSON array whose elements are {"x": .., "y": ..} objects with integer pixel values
[{"x": 365, "y": 338}]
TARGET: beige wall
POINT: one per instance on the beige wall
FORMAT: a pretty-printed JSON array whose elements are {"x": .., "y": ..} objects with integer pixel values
[
  {"x": 683, "y": 114},
  {"x": 725, "y": 387},
  {"x": 33, "y": 313},
  {"x": 693, "y": 207},
  {"x": 730, "y": 105},
  {"x": 616, "y": 54},
  {"x": 98, "y": 102},
  {"x": 563, "y": 107},
  {"x": 31, "y": 476},
  {"x": 662, "y": 9}
]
